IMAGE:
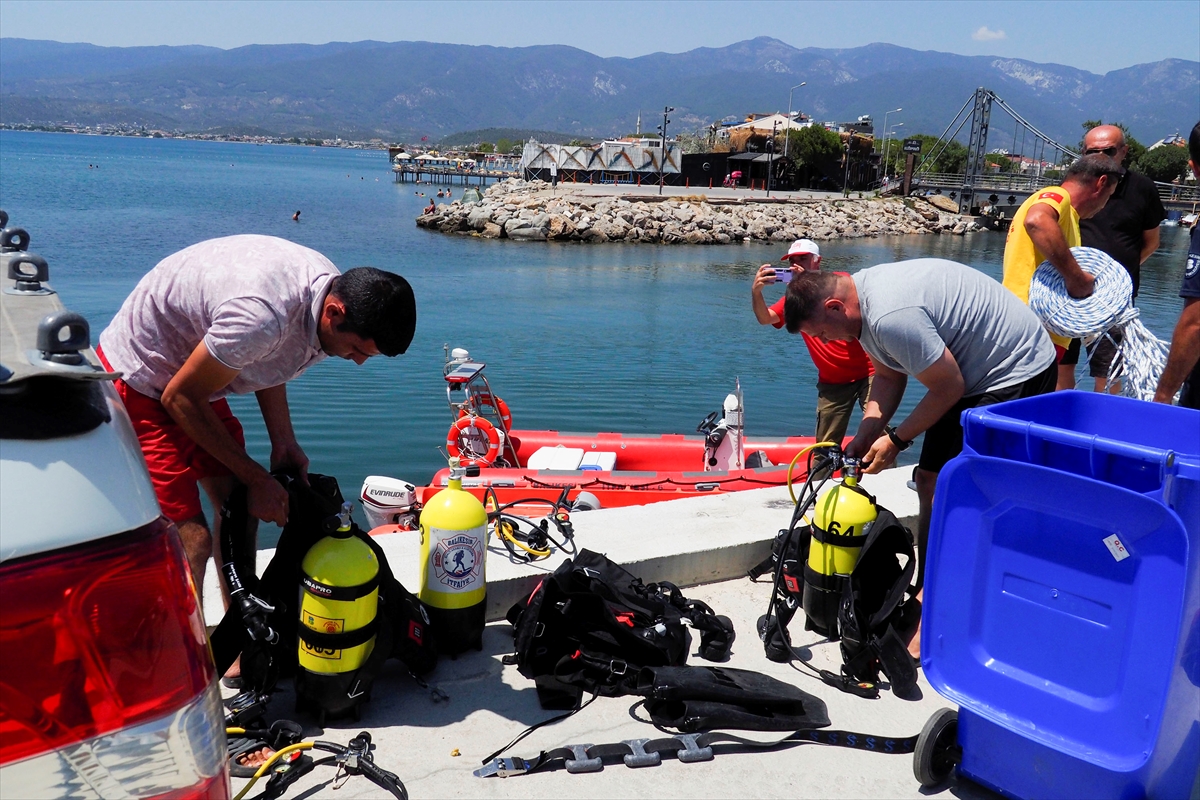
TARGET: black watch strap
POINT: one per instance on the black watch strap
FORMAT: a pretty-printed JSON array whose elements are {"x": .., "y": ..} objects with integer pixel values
[{"x": 896, "y": 440}]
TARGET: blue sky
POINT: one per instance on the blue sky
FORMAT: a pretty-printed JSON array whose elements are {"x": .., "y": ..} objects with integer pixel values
[{"x": 1096, "y": 35}]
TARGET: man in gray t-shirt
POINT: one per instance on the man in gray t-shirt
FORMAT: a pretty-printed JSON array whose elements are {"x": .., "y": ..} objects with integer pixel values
[
  {"x": 237, "y": 315},
  {"x": 965, "y": 337}
]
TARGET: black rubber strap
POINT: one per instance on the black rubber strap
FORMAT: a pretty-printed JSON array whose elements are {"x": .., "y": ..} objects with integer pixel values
[
  {"x": 721, "y": 743},
  {"x": 838, "y": 539},
  {"x": 830, "y": 583},
  {"x": 338, "y": 641},
  {"x": 327, "y": 592}
]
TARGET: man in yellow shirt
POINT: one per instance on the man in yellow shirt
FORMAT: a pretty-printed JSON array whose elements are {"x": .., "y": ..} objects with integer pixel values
[{"x": 1046, "y": 227}]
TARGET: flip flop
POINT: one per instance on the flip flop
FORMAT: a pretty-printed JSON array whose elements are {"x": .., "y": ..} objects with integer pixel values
[{"x": 240, "y": 746}]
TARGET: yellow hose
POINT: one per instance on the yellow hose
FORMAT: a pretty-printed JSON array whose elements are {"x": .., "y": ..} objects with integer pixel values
[
  {"x": 503, "y": 532},
  {"x": 291, "y": 748},
  {"x": 792, "y": 466}
]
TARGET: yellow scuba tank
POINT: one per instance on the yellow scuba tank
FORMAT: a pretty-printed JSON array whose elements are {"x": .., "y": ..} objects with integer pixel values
[
  {"x": 339, "y": 604},
  {"x": 453, "y": 549},
  {"x": 841, "y": 518}
]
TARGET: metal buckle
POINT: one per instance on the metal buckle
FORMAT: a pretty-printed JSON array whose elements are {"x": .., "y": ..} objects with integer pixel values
[
  {"x": 612, "y": 667},
  {"x": 503, "y": 767}
]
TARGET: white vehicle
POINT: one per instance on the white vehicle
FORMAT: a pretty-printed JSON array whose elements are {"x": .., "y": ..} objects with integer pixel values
[{"x": 107, "y": 685}]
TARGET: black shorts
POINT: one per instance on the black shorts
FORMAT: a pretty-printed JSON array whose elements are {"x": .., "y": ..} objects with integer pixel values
[
  {"x": 944, "y": 439},
  {"x": 1071, "y": 357}
]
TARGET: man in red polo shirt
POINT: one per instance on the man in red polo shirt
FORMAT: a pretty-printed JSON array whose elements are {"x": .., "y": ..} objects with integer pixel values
[{"x": 843, "y": 369}]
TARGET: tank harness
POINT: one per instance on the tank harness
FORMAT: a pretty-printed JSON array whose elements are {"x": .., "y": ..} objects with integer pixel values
[
  {"x": 263, "y": 621},
  {"x": 848, "y": 577}
]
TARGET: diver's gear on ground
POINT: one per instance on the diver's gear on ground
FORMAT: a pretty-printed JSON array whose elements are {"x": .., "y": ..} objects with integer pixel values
[
  {"x": 351, "y": 759},
  {"x": 453, "y": 554},
  {"x": 698, "y": 698},
  {"x": 238, "y": 559},
  {"x": 591, "y": 625},
  {"x": 528, "y": 541},
  {"x": 339, "y": 622},
  {"x": 401, "y": 621},
  {"x": 853, "y": 587},
  {"x": 686, "y": 747}
]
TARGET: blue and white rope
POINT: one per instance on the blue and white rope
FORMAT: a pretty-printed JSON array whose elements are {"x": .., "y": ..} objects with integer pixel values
[{"x": 1141, "y": 356}]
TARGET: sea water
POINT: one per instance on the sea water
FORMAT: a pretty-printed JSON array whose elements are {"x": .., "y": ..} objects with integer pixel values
[{"x": 633, "y": 338}]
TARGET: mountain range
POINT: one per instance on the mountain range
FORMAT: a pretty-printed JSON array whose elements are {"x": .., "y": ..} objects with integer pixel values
[{"x": 402, "y": 91}]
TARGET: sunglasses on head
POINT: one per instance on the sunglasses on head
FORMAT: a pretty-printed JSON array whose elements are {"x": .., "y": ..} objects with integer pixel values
[{"x": 1108, "y": 151}]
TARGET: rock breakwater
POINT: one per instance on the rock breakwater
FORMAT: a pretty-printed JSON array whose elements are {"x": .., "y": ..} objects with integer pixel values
[{"x": 516, "y": 209}]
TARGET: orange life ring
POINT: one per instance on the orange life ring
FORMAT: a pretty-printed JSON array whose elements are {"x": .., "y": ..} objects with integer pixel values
[
  {"x": 454, "y": 435},
  {"x": 484, "y": 400}
]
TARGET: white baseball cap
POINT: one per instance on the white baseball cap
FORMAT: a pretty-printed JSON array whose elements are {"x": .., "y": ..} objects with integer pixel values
[{"x": 800, "y": 247}]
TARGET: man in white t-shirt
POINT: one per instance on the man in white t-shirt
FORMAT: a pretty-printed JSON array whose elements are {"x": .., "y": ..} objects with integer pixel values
[{"x": 232, "y": 316}]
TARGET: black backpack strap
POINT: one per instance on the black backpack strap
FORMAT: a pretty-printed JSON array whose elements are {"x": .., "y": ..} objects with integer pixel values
[{"x": 888, "y": 532}]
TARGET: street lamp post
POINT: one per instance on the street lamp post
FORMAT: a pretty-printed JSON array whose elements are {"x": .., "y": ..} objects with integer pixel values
[
  {"x": 788, "y": 135},
  {"x": 771, "y": 154},
  {"x": 885, "y": 134},
  {"x": 886, "y": 146},
  {"x": 662, "y": 157}
]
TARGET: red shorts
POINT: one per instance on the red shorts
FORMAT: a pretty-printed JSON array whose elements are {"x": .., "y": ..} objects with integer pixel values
[{"x": 176, "y": 462}]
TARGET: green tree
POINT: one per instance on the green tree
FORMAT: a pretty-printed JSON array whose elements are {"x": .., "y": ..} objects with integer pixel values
[
  {"x": 1136, "y": 148},
  {"x": 506, "y": 145},
  {"x": 1002, "y": 161},
  {"x": 486, "y": 147},
  {"x": 815, "y": 151},
  {"x": 1165, "y": 163}
]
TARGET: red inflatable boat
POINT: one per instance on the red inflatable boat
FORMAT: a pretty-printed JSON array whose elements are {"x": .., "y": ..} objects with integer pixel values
[{"x": 615, "y": 469}]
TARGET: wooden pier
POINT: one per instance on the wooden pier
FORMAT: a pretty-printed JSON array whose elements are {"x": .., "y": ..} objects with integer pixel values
[{"x": 450, "y": 175}]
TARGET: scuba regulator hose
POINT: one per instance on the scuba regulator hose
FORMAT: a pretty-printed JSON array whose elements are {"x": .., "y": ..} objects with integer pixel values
[
  {"x": 808, "y": 496},
  {"x": 351, "y": 759},
  {"x": 533, "y": 541}
]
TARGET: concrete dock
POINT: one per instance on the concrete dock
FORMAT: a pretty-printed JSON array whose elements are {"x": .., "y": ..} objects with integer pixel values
[{"x": 704, "y": 543}]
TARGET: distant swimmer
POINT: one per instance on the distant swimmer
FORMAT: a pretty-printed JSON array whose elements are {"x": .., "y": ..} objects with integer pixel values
[
  {"x": 429, "y": 209},
  {"x": 296, "y": 217},
  {"x": 441, "y": 193}
]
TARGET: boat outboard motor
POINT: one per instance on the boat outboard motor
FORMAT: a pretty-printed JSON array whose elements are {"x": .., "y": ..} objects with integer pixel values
[
  {"x": 723, "y": 441},
  {"x": 388, "y": 501},
  {"x": 339, "y": 608}
]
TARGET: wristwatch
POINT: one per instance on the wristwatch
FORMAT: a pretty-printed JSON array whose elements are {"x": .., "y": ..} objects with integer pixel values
[{"x": 896, "y": 440}]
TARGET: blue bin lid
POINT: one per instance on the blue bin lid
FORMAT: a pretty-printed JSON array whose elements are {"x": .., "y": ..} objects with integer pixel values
[{"x": 1053, "y": 606}]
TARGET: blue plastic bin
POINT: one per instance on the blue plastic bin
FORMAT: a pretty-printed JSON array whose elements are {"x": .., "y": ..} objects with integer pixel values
[{"x": 1062, "y": 604}]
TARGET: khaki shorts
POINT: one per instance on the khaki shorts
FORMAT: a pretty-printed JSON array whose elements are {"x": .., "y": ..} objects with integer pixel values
[{"x": 835, "y": 402}]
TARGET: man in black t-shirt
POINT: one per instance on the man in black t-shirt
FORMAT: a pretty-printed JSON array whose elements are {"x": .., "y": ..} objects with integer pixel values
[
  {"x": 1185, "y": 343},
  {"x": 1127, "y": 229}
]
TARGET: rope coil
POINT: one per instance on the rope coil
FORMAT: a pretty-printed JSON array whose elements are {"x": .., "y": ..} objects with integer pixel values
[{"x": 1141, "y": 356}]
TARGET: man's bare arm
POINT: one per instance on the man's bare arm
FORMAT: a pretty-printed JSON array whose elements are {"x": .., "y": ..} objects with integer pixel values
[
  {"x": 285, "y": 450},
  {"x": 764, "y": 315},
  {"x": 887, "y": 388},
  {"x": 186, "y": 399},
  {"x": 944, "y": 381},
  {"x": 1041, "y": 223},
  {"x": 1185, "y": 351},
  {"x": 1150, "y": 241}
]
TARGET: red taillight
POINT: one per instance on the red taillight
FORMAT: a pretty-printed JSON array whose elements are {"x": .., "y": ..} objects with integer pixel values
[{"x": 97, "y": 638}]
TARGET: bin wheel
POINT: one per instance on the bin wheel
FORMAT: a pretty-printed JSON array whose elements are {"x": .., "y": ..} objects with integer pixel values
[{"x": 937, "y": 752}]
